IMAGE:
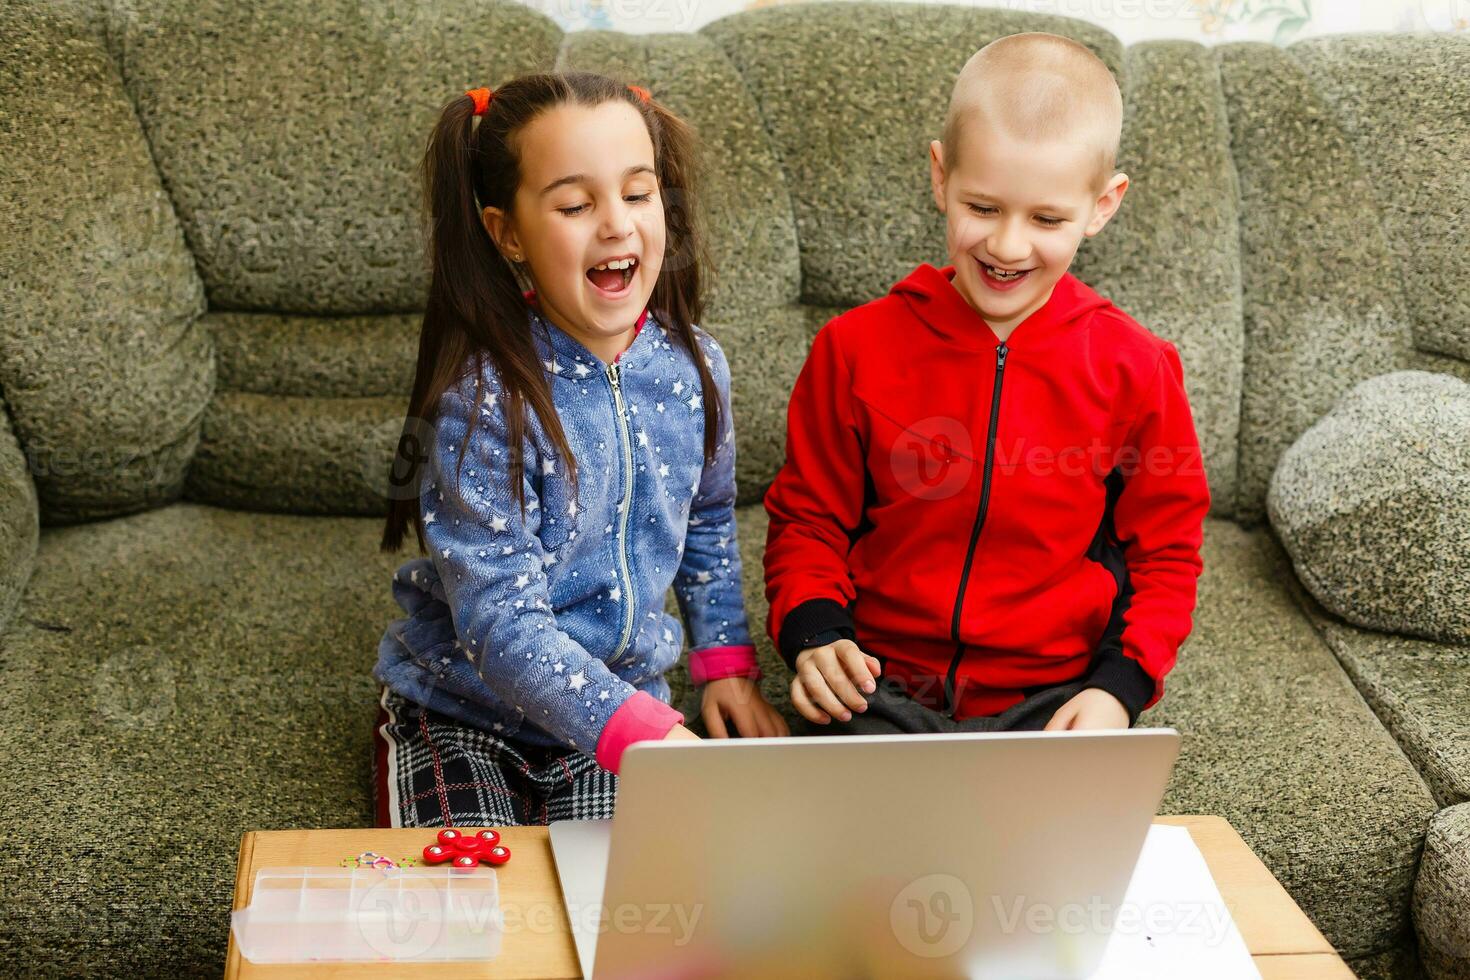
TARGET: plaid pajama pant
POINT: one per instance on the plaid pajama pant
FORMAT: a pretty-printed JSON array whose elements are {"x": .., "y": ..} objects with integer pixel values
[{"x": 430, "y": 770}]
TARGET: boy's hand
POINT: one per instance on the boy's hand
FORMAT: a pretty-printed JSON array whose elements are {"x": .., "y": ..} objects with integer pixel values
[
  {"x": 1091, "y": 707},
  {"x": 827, "y": 681},
  {"x": 739, "y": 700}
]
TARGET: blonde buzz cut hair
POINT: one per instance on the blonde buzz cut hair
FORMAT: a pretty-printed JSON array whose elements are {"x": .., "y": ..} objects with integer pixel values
[{"x": 1038, "y": 86}]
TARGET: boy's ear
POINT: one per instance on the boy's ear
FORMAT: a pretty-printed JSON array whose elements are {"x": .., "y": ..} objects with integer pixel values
[
  {"x": 936, "y": 172},
  {"x": 1108, "y": 203},
  {"x": 501, "y": 233}
]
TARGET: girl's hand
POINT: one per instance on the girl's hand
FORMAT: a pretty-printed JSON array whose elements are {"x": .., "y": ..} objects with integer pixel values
[
  {"x": 680, "y": 733},
  {"x": 827, "y": 681},
  {"x": 1091, "y": 707},
  {"x": 739, "y": 700}
]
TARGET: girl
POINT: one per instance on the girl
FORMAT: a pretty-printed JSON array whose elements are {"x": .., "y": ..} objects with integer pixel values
[{"x": 577, "y": 460}]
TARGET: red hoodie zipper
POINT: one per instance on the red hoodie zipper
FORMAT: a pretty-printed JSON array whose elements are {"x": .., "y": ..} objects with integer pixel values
[{"x": 951, "y": 703}]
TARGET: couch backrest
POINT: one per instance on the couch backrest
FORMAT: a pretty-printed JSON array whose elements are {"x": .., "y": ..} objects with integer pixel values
[
  {"x": 1352, "y": 225},
  {"x": 104, "y": 368},
  {"x": 286, "y": 138},
  {"x": 288, "y": 134}
]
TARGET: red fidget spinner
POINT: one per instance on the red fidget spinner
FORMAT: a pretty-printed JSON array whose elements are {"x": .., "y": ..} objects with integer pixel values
[{"x": 467, "y": 850}]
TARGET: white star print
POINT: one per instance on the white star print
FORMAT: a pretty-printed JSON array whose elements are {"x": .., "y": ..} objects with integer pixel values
[
  {"x": 576, "y": 681},
  {"x": 445, "y": 552},
  {"x": 678, "y": 387},
  {"x": 572, "y": 508},
  {"x": 522, "y": 580},
  {"x": 659, "y": 407},
  {"x": 642, "y": 438},
  {"x": 548, "y": 559},
  {"x": 497, "y": 524},
  {"x": 615, "y": 593},
  {"x": 702, "y": 576},
  {"x": 548, "y": 467},
  {"x": 552, "y": 366},
  {"x": 693, "y": 402},
  {"x": 663, "y": 469},
  {"x": 558, "y": 667},
  {"x": 488, "y": 402},
  {"x": 429, "y": 517},
  {"x": 583, "y": 370},
  {"x": 603, "y": 695}
]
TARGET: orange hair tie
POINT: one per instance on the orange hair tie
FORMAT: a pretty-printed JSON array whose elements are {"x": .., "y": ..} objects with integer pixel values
[
  {"x": 482, "y": 97},
  {"x": 643, "y": 94}
]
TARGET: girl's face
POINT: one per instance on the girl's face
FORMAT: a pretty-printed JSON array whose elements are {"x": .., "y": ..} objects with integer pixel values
[{"x": 588, "y": 196}]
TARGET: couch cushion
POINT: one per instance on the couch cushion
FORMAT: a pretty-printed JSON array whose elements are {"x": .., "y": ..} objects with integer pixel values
[
  {"x": 172, "y": 680},
  {"x": 104, "y": 367},
  {"x": 1373, "y": 503},
  {"x": 315, "y": 356},
  {"x": 751, "y": 231},
  {"x": 1401, "y": 99},
  {"x": 1323, "y": 302},
  {"x": 1418, "y": 689},
  {"x": 298, "y": 454},
  {"x": 1442, "y": 896},
  {"x": 289, "y": 134}
]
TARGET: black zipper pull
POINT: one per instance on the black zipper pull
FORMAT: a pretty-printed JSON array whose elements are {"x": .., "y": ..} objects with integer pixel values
[{"x": 1000, "y": 356}]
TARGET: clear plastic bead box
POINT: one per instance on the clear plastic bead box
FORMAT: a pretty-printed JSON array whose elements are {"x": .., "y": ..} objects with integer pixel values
[{"x": 299, "y": 915}]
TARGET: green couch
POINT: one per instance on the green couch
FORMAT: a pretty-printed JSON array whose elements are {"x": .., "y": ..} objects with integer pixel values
[{"x": 210, "y": 267}]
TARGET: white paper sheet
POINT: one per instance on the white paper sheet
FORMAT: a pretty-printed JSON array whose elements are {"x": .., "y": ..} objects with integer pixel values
[{"x": 1173, "y": 922}]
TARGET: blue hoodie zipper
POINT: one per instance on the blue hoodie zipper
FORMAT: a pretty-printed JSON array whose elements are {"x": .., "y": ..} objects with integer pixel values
[{"x": 614, "y": 377}]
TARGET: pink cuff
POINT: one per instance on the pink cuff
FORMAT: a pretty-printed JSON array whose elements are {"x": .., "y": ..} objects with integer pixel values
[
  {"x": 714, "y": 663},
  {"x": 642, "y": 717}
]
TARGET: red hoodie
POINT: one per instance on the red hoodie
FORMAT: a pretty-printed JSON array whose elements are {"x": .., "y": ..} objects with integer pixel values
[{"x": 989, "y": 517}]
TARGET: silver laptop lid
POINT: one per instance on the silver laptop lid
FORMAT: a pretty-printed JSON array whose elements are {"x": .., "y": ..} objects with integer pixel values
[{"x": 994, "y": 854}]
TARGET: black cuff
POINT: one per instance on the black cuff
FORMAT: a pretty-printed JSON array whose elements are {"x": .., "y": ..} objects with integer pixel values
[
  {"x": 1124, "y": 679},
  {"x": 805, "y": 624}
]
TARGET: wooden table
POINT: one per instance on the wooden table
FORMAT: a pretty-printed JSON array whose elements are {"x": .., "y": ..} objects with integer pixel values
[{"x": 1283, "y": 941}]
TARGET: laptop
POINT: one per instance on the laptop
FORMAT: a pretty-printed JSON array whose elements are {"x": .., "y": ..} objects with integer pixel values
[{"x": 947, "y": 855}]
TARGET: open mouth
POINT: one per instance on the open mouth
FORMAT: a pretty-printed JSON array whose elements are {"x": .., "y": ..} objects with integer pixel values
[
  {"x": 613, "y": 279},
  {"x": 999, "y": 278}
]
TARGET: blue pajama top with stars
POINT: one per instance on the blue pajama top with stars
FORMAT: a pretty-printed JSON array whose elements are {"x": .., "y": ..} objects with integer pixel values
[{"x": 550, "y": 629}]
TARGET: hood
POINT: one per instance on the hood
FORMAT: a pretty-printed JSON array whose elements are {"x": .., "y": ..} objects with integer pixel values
[{"x": 932, "y": 298}]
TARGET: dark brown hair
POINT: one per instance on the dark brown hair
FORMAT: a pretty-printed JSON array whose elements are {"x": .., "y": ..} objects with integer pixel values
[{"x": 476, "y": 305}]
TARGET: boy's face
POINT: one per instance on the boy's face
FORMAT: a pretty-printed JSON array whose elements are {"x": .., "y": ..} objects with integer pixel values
[
  {"x": 1013, "y": 206},
  {"x": 562, "y": 228}
]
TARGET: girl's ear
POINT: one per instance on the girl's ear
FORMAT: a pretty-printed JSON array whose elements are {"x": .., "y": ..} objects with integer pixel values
[
  {"x": 936, "y": 172},
  {"x": 501, "y": 232}
]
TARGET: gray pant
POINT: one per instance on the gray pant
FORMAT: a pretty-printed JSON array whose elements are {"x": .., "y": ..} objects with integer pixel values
[{"x": 892, "y": 712}]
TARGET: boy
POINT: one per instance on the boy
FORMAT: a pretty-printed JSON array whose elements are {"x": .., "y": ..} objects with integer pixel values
[{"x": 993, "y": 494}]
